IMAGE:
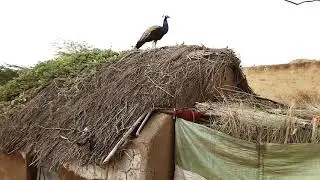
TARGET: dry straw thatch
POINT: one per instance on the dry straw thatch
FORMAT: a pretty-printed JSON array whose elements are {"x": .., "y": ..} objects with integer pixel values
[
  {"x": 85, "y": 121},
  {"x": 255, "y": 121}
]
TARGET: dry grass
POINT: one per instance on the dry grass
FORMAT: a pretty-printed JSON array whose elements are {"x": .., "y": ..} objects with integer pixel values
[
  {"x": 261, "y": 124},
  {"x": 296, "y": 84}
]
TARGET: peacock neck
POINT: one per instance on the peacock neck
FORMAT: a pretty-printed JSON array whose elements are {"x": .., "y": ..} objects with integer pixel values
[{"x": 165, "y": 25}]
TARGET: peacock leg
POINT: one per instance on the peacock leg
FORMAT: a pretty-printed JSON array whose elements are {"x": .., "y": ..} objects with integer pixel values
[{"x": 155, "y": 44}]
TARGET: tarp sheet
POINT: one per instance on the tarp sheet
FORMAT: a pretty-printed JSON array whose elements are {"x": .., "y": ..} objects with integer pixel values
[{"x": 210, "y": 154}]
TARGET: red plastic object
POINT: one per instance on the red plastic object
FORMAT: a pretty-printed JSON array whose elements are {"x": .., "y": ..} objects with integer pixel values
[
  {"x": 316, "y": 118},
  {"x": 189, "y": 115}
]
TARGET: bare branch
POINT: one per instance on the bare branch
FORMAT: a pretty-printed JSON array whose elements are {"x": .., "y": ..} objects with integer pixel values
[{"x": 301, "y": 2}]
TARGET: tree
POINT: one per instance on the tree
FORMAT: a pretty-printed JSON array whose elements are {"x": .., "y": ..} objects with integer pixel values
[
  {"x": 70, "y": 47},
  {"x": 301, "y": 2}
]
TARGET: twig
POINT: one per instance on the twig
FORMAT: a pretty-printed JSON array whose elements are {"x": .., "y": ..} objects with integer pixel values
[
  {"x": 159, "y": 87},
  {"x": 65, "y": 138},
  {"x": 124, "y": 137},
  {"x": 301, "y": 2},
  {"x": 60, "y": 129}
]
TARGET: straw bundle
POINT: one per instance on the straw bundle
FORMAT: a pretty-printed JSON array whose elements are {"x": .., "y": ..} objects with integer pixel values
[{"x": 261, "y": 124}]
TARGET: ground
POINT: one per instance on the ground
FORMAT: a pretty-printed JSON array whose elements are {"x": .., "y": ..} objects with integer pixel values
[{"x": 293, "y": 83}]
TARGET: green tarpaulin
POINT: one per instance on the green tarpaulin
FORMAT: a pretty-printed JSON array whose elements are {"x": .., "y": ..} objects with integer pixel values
[{"x": 215, "y": 155}]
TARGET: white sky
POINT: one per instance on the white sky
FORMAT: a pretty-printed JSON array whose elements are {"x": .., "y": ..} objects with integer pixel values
[{"x": 260, "y": 31}]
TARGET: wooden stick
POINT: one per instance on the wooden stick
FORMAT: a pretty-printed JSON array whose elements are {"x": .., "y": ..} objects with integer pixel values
[
  {"x": 287, "y": 132},
  {"x": 143, "y": 122},
  {"x": 124, "y": 137},
  {"x": 315, "y": 123},
  {"x": 288, "y": 123}
]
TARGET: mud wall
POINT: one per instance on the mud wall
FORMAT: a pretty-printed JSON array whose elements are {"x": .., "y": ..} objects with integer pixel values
[
  {"x": 12, "y": 167},
  {"x": 148, "y": 157}
]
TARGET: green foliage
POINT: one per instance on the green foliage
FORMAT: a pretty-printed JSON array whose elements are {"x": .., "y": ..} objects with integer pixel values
[
  {"x": 7, "y": 73},
  {"x": 69, "y": 63}
]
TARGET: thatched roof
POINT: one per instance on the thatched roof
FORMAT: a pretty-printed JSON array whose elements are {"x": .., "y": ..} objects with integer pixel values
[{"x": 85, "y": 121}]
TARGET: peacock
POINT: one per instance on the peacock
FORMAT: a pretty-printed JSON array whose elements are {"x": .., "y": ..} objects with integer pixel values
[{"x": 154, "y": 33}]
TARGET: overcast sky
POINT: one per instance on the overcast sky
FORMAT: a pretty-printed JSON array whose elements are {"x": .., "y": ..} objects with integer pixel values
[{"x": 260, "y": 31}]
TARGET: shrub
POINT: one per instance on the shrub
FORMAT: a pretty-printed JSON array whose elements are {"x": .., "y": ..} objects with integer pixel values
[{"x": 69, "y": 63}]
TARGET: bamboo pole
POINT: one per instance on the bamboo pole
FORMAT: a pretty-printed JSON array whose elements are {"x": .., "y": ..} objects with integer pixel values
[{"x": 143, "y": 123}]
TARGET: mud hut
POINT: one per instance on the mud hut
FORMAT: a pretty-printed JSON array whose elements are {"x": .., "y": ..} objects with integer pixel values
[{"x": 78, "y": 128}]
